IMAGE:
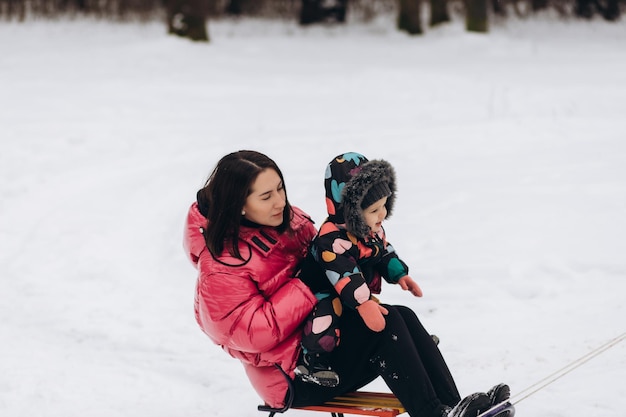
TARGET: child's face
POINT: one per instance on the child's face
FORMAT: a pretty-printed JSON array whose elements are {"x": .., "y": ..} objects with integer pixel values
[{"x": 375, "y": 214}]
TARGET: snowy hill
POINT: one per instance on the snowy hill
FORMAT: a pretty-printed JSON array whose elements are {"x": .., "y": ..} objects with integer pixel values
[{"x": 509, "y": 150}]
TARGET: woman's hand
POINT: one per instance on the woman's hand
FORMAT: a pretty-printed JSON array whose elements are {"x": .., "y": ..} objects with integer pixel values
[
  {"x": 407, "y": 284},
  {"x": 372, "y": 314}
]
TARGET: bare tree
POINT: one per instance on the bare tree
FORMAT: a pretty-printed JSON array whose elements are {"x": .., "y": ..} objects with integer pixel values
[
  {"x": 409, "y": 18},
  {"x": 539, "y": 5},
  {"x": 476, "y": 19},
  {"x": 316, "y": 11},
  {"x": 609, "y": 9},
  {"x": 439, "y": 12},
  {"x": 14, "y": 8},
  {"x": 187, "y": 18}
]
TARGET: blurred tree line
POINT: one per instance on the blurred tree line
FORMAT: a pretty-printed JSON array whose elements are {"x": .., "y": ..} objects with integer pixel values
[{"x": 188, "y": 18}]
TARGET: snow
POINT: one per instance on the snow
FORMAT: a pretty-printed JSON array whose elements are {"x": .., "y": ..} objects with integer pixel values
[{"x": 509, "y": 150}]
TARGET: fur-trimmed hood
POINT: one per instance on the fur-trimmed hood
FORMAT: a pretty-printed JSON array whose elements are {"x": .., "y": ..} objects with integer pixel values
[{"x": 348, "y": 179}]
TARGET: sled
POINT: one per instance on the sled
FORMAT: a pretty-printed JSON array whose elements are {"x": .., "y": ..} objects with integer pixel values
[
  {"x": 365, "y": 403},
  {"x": 378, "y": 404}
]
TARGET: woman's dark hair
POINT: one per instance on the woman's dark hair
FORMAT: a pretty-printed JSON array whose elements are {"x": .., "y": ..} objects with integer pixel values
[{"x": 223, "y": 196}]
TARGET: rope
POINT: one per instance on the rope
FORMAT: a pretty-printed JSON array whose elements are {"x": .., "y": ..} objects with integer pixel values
[{"x": 539, "y": 385}]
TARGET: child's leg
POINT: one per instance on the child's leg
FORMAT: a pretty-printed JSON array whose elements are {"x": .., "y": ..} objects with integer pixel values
[
  {"x": 364, "y": 354},
  {"x": 434, "y": 363},
  {"x": 321, "y": 330},
  {"x": 320, "y": 337}
]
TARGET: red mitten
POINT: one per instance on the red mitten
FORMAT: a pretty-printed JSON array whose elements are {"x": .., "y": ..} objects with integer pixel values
[
  {"x": 407, "y": 284},
  {"x": 372, "y": 314}
]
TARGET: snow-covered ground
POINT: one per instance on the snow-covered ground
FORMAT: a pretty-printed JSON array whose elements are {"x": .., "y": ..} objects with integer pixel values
[{"x": 510, "y": 150}]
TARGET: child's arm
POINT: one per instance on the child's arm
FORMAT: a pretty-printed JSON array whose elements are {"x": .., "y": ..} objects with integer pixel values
[
  {"x": 391, "y": 267},
  {"x": 337, "y": 255},
  {"x": 395, "y": 270}
]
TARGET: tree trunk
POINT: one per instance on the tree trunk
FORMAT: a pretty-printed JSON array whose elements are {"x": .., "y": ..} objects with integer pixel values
[
  {"x": 609, "y": 9},
  {"x": 409, "y": 18},
  {"x": 187, "y": 18},
  {"x": 539, "y": 5},
  {"x": 234, "y": 8},
  {"x": 315, "y": 11},
  {"x": 476, "y": 16},
  {"x": 583, "y": 9},
  {"x": 309, "y": 12},
  {"x": 17, "y": 8},
  {"x": 499, "y": 8},
  {"x": 439, "y": 12}
]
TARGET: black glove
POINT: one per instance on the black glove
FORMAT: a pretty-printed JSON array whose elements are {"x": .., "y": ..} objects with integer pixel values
[{"x": 313, "y": 275}]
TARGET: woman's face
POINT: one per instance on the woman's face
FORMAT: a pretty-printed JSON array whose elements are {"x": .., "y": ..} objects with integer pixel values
[
  {"x": 266, "y": 201},
  {"x": 375, "y": 214}
]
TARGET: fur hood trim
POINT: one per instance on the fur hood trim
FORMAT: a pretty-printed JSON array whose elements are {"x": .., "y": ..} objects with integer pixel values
[{"x": 349, "y": 178}]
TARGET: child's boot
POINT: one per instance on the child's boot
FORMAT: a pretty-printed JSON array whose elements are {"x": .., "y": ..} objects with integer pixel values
[{"x": 315, "y": 369}]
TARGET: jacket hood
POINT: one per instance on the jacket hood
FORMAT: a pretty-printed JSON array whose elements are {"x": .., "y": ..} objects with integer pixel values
[
  {"x": 348, "y": 179},
  {"x": 193, "y": 240}
]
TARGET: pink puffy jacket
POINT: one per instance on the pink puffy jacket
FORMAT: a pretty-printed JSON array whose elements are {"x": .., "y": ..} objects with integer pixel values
[{"x": 254, "y": 309}]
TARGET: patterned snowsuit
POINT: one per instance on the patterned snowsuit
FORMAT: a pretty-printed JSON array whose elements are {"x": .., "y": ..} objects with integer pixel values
[{"x": 352, "y": 258}]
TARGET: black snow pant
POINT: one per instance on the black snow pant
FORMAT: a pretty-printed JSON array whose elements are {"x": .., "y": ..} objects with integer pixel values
[{"x": 403, "y": 354}]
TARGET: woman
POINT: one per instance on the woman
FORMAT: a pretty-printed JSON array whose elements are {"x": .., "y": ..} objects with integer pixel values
[{"x": 247, "y": 241}]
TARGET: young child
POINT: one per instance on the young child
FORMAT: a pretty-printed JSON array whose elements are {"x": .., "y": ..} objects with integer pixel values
[{"x": 352, "y": 251}]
